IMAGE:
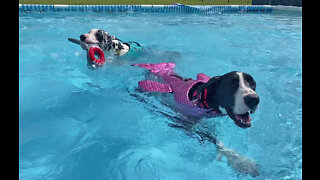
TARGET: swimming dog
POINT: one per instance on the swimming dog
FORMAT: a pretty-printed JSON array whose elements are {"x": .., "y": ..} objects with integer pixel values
[
  {"x": 106, "y": 42},
  {"x": 203, "y": 97}
]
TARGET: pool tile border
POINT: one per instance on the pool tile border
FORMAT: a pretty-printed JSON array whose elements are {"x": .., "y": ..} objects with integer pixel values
[{"x": 178, "y": 8}]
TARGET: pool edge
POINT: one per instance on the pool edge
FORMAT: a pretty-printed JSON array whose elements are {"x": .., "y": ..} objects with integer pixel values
[{"x": 160, "y": 8}]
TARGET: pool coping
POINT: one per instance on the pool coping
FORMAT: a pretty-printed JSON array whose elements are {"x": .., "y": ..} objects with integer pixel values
[{"x": 177, "y": 8}]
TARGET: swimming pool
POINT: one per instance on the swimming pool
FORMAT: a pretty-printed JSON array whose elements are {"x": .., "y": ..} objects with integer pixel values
[{"x": 77, "y": 123}]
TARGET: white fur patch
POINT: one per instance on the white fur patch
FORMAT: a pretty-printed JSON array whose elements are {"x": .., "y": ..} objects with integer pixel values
[
  {"x": 90, "y": 37},
  {"x": 243, "y": 90}
]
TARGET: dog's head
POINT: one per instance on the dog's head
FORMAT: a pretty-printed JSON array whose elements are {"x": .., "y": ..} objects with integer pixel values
[
  {"x": 95, "y": 36},
  {"x": 102, "y": 38},
  {"x": 234, "y": 91}
]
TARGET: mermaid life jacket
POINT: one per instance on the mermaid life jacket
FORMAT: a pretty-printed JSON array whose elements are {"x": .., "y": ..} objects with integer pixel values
[{"x": 173, "y": 83}]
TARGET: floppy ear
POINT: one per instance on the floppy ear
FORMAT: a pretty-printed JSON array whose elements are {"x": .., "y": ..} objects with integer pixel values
[
  {"x": 212, "y": 85},
  {"x": 213, "y": 82},
  {"x": 120, "y": 46},
  {"x": 105, "y": 38},
  {"x": 113, "y": 44}
]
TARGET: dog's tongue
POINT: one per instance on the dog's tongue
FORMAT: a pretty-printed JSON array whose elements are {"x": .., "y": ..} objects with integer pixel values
[{"x": 244, "y": 117}]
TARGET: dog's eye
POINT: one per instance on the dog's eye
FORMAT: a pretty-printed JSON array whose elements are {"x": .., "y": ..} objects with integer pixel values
[
  {"x": 247, "y": 77},
  {"x": 252, "y": 83},
  {"x": 100, "y": 32},
  {"x": 250, "y": 80},
  {"x": 253, "y": 86}
]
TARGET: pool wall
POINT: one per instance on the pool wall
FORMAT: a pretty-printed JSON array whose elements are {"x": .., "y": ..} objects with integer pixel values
[{"x": 177, "y": 8}]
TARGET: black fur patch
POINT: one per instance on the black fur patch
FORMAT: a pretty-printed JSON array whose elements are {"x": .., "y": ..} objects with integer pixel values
[{"x": 248, "y": 78}]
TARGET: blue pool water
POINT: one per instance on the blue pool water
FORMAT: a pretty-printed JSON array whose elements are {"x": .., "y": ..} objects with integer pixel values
[{"x": 76, "y": 123}]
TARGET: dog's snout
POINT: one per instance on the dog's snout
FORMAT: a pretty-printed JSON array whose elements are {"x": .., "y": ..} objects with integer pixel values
[
  {"x": 252, "y": 100},
  {"x": 82, "y": 37}
]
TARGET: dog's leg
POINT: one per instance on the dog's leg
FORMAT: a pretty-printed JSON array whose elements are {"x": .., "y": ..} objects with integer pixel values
[{"x": 240, "y": 163}]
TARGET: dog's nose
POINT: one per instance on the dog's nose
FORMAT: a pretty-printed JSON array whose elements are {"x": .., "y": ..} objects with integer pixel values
[
  {"x": 82, "y": 37},
  {"x": 251, "y": 100}
]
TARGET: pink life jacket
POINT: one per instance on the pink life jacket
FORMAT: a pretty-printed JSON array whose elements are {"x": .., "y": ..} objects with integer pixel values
[{"x": 178, "y": 87}]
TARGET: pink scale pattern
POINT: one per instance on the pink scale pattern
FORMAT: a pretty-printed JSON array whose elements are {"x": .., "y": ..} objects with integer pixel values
[{"x": 178, "y": 87}]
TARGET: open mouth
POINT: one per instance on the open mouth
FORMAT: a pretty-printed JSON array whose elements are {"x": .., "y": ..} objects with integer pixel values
[{"x": 241, "y": 120}]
